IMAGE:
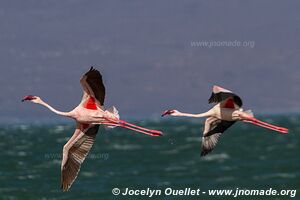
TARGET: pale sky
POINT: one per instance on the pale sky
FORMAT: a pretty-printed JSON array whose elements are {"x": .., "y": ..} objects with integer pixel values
[{"x": 144, "y": 51}]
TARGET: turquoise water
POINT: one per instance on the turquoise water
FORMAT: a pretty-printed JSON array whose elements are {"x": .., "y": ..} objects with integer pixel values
[{"x": 246, "y": 157}]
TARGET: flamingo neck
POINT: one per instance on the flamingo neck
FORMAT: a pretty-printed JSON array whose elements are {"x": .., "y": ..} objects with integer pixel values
[
  {"x": 193, "y": 115},
  {"x": 65, "y": 114}
]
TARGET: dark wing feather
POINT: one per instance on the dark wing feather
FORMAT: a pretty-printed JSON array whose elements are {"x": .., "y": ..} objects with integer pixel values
[
  {"x": 94, "y": 80},
  {"x": 221, "y": 96},
  {"x": 76, "y": 156},
  {"x": 210, "y": 138}
]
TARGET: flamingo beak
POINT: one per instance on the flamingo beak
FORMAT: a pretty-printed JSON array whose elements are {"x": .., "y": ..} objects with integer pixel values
[
  {"x": 167, "y": 112},
  {"x": 28, "y": 98}
]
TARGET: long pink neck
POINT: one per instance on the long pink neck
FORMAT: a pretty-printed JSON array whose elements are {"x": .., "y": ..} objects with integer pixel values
[
  {"x": 205, "y": 114},
  {"x": 65, "y": 114}
]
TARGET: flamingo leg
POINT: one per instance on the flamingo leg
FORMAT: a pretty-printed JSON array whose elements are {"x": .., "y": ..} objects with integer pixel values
[
  {"x": 139, "y": 127},
  {"x": 257, "y": 122},
  {"x": 124, "y": 124}
]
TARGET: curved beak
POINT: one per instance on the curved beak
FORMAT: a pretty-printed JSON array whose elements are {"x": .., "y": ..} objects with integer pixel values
[
  {"x": 167, "y": 112},
  {"x": 28, "y": 98}
]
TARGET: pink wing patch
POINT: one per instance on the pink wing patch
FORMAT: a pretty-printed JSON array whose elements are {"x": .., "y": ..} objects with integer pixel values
[
  {"x": 229, "y": 103},
  {"x": 84, "y": 126},
  {"x": 91, "y": 104}
]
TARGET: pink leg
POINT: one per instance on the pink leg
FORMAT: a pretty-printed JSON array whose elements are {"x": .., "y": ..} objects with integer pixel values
[
  {"x": 121, "y": 123},
  {"x": 265, "y": 125}
]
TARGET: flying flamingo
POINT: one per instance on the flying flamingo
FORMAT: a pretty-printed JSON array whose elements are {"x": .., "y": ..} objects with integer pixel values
[
  {"x": 89, "y": 114},
  {"x": 223, "y": 115}
]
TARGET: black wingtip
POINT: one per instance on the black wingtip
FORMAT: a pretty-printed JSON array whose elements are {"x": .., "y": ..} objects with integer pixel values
[
  {"x": 202, "y": 154},
  {"x": 64, "y": 189}
]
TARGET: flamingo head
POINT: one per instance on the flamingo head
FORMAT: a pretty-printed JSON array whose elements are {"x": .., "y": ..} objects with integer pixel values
[
  {"x": 167, "y": 112},
  {"x": 31, "y": 98}
]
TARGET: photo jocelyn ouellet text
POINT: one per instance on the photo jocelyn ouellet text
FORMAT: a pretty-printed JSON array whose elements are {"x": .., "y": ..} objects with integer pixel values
[{"x": 197, "y": 192}]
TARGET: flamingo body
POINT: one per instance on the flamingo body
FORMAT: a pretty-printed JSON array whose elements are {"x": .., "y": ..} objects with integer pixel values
[
  {"x": 89, "y": 114},
  {"x": 226, "y": 111}
]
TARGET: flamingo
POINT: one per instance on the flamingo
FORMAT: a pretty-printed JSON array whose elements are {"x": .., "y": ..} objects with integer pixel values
[
  {"x": 222, "y": 116},
  {"x": 89, "y": 114}
]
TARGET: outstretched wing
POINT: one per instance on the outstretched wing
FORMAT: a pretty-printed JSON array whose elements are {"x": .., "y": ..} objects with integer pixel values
[
  {"x": 212, "y": 131},
  {"x": 220, "y": 94},
  {"x": 75, "y": 156},
  {"x": 93, "y": 86}
]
